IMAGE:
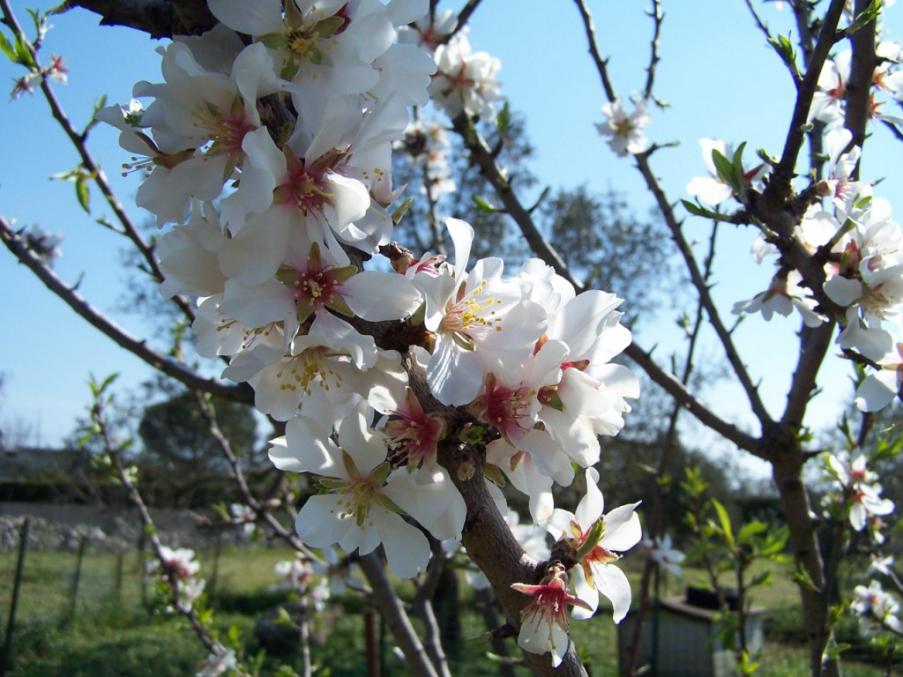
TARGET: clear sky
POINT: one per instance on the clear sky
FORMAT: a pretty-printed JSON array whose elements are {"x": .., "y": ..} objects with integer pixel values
[{"x": 716, "y": 72}]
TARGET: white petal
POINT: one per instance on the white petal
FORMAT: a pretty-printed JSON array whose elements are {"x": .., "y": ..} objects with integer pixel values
[
  {"x": 709, "y": 190},
  {"x": 254, "y": 18},
  {"x": 611, "y": 582},
  {"x": 407, "y": 550},
  {"x": 307, "y": 449},
  {"x": 592, "y": 505},
  {"x": 454, "y": 374},
  {"x": 377, "y": 296},
  {"x": 877, "y": 391},
  {"x": 622, "y": 528},
  {"x": 842, "y": 290},
  {"x": 461, "y": 234},
  {"x": 318, "y": 523}
]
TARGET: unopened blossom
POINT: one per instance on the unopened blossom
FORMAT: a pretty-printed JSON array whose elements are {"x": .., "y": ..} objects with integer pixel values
[
  {"x": 877, "y": 609},
  {"x": 625, "y": 130},
  {"x": 597, "y": 541},
  {"x": 544, "y": 621}
]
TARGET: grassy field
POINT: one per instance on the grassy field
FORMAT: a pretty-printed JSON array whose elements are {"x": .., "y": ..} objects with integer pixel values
[{"x": 112, "y": 633}]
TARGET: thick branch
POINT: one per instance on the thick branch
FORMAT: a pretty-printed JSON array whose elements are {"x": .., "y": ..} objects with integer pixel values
[
  {"x": 121, "y": 337},
  {"x": 160, "y": 18},
  {"x": 779, "y": 184}
]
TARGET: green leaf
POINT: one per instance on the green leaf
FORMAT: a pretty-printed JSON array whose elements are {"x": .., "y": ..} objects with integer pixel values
[
  {"x": 483, "y": 205},
  {"x": 725, "y": 169},
  {"x": 698, "y": 210},
  {"x": 82, "y": 193},
  {"x": 7, "y": 48},
  {"x": 751, "y": 529},
  {"x": 399, "y": 213},
  {"x": 865, "y": 17},
  {"x": 23, "y": 54},
  {"x": 725, "y": 522},
  {"x": 503, "y": 120}
]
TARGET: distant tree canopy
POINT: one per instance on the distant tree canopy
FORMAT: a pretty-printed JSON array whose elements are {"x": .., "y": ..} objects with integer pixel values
[{"x": 180, "y": 463}]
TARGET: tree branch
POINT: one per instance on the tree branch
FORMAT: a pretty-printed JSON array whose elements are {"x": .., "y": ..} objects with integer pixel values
[
  {"x": 78, "y": 140},
  {"x": 159, "y": 18},
  {"x": 121, "y": 337},
  {"x": 393, "y": 611}
]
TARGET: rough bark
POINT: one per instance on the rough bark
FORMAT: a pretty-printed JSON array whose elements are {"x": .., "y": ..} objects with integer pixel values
[{"x": 159, "y": 18}]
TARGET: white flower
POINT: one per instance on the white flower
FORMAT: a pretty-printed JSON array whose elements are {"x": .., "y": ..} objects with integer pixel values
[
  {"x": 544, "y": 621},
  {"x": 876, "y": 609},
  {"x": 364, "y": 498},
  {"x": 217, "y": 664},
  {"x": 625, "y": 131},
  {"x": 465, "y": 81},
  {"x": 881, "y": 387},
  {"x": 664, "y": 554},
  {"x": 597, "y": 540},
  {"x": 784, "y": 294}
]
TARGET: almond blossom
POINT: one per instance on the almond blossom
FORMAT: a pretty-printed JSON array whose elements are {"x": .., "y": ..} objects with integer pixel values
[
  {"x": 364, "y": 497},
  {"x": 544, "y": 621},
  {"x": 597, "y": 540},
  {"x": 625, "y": 131}
]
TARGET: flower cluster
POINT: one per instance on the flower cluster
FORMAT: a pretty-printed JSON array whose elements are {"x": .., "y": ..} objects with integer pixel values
[
  {"x": 272, "y": 155},
  {"x": 179, "y": 568},
  {"x": 300, "y": 576},
  {"x": 858, "y": 246},
  {"x": 593, "y": 541},
  {"x": 876, "y": 608},
  {"x": 829, "y": 101}
]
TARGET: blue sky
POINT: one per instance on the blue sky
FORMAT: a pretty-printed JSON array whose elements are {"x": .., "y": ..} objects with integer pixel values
[{"x": 716, "y": 72}]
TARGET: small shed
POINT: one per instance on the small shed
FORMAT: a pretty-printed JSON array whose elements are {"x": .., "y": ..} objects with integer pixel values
[{"x": 688, "y": 641}]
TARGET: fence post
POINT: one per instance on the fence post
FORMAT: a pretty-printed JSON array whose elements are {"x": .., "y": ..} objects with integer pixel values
[
  {"x": 371, "y": 643},
  {"x": 11, "y": 621},
  {"x": 214, "y": 573},
  {"x": 73, "y": 594},
  {"x": 117, "y": 579},
  {"x": 142, "y": 569}
]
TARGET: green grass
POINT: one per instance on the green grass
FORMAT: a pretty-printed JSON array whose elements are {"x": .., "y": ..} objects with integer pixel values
[{"x": 113, "y": 634}]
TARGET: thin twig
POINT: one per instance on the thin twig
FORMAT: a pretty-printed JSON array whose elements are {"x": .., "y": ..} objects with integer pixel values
[
  {"x": 482, "y": 157},
  {"x": 675, "y": 226},
  {"x": 654, "y": 45},
  {"x": 110, "y": 448},
  {"x": 106, "y": 326},
  {"x": 93, "y": 168},
  {"x": 463, "y": 17},
  {"x": 601, "y": 64}
]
